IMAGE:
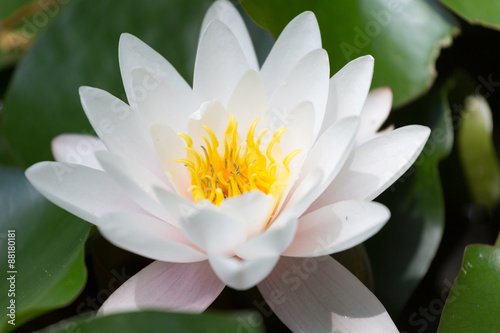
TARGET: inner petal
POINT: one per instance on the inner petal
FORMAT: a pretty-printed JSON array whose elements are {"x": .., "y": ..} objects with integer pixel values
[{"x": 241, "y": 166}]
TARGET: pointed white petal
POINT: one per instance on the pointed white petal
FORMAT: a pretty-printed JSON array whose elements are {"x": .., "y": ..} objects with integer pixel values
[
  {"x": 375, "y": 165},
  {"x": 225, "y": 12},
  {"x": 220, "y": 63},
  {"x": 77, "y": 149},
  {"x": 119, "y": 127},
  {"x": 159, "y": 102},
  {"x": 211, "y": 114},
  {"x": 169, "y": 146},
  {"x": 149, "y": 237},
  {"x": 251, "y": 209},
  {"x": 375, "y": 111},
  {"x": 320, "y": 295},
  {"x": 242, "y": 274},
  {"x": 337, "y": 227},
  {"x": 248, "y": 101},
  {"x": 165, "y": 286},
  {"x": 82, "y": 191},
  {"x": 272, "y": 241},
  {"x": 307, "y": 81},
  {"x": 134, "y": 53},
  {"x": 300, "y": 129},
  {"x": 136, "y": 181},
  {"x": 299, "y": 37},
  {"x": 348, "y": 90}
]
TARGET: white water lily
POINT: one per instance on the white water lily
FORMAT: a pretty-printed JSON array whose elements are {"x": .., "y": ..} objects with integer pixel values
[{"x": 250, "y": 178}]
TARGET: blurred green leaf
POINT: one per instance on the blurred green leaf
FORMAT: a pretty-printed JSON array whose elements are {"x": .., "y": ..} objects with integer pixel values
[
  {"x": 477, "y": 152},
  {"x": 483, "y": 12},
  {"x": 152, "y": 321},
  {"x": 48, "y": 248},
  {"x": 9, "y": 7},
  {"x": 404, "y": 37},
  {"x": 473, "y": 304},
  {"x": 81, "y": 48},
  {"x": 403, "y": 250}
]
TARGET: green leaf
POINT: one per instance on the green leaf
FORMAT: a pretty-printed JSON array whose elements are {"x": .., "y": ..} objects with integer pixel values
[
  {"x": 477, "y": 153},
  {"x": 404, "y": 37},
  {"x": 81, "y": 48},
  {"x": 483, "y": 12},
  {"x": 49, "y": 263},
  {"x": 403, "y": 250},
  {"x": 473, "y": 304},
  {"x": 152, "y": 321}
]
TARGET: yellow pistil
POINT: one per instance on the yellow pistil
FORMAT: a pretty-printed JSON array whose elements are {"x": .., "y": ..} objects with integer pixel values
[{"x": 242, "y": 168}]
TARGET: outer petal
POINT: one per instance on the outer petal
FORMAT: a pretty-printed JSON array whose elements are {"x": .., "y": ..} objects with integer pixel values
[
  {"x": 77, "y": 149},
  {"x": 348, "y": 90},
  {"x": 375, "y": 111},
  {"x": 375, "y": 165},
  {"x": 337, "y": 227},
  {"x": 84, "y": 192},
  {"x": 242, "y": 274},
  {"x": 299, "y": 37},
  {"x": 320, "y": 295},
  {"x": 220, "y": 63},
  {"x": 149, "y": 237},
  {"x": 225, "y": 12},
  {"x": 157, "y": 101},
  {"x": 133, "y": 53},
  {"x": 307, "y": 81},
  {"x": 136, "y": 181},
  {"x": 119, "y": 127},
  {"x": 167, "y": 286}
]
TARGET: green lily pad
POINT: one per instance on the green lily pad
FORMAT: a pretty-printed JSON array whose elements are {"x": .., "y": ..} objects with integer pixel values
[
  {"x": 477, "y": 152},
  {"x": 473, "y": 304},
  {"x": 483, "y": 12},
  {"x": 49, "y": 270},
  {"x": 152, "y": 321},
  {"x": 81, "y": 48},
  {"x": 403, "y": 250},
  {"x": 403, "y": 37}
]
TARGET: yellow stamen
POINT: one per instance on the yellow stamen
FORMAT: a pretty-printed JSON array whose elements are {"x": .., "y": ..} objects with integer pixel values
[{"x": 241, "y": 168}]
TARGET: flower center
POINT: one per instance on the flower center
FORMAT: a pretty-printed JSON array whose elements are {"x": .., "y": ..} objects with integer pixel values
[{"x": 242, "y": 167}]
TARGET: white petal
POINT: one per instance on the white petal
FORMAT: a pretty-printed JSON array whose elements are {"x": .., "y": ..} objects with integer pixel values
[
  {"x": 375, "y": 165},
  {"x": 213, "y": 232},
  {"x": 133, "y": 53},
  {"x": 375, "y": 111},
  {"x": 136, "y": 181},
  {"x": 166, "y": 286},
  {"x": 251, "y": 209},
  {"x": 149, "y": 237},
  {"x": 307, "y": 81},
  {"x": 337, "y": 227},
  {"x": 225, "y": 12},
  {"x": 300, "y": 127},
  {"x": 299, "y": 37},
  {"x": 211, "y": 114},
  {"x": 248, "y": 101},
  {"x": 220, "y": 63},
  {"x": 169, "y": 146},
  {"x": 242, "y": 274},
  {"x": 119, "y": 127},
  {"x": 272, "y": 241},
  {"x": 82, "y": 191},
  {"x": 348, "y": 90},
  {"x": 305, "y": 193},
  {"x": 330, "y": 152},
  {"x": 320, "y": 295},
  {"x": 159, "y": 102},
  {"x": 77, "y": 149}
]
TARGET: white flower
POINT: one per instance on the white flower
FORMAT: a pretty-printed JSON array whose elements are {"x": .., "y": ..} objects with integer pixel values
[{"x": 237, "y": 180}]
